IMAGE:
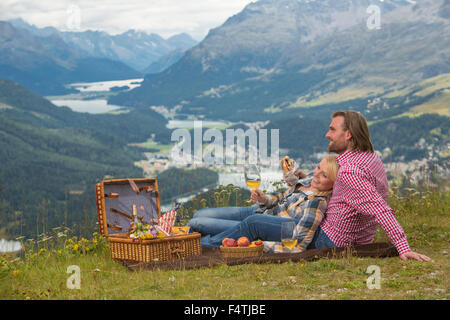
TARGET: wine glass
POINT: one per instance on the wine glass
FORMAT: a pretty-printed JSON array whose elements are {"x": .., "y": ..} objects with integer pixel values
[
  {"x": 252, "y": 176},
  {"x": 288, "y": 234},
  {"x": 253, "y": 179}
]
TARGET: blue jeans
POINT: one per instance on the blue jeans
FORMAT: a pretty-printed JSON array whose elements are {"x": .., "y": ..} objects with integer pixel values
[
  {"x": 320, "y": 241},
  {"x": 217, "y": 224},
  {"x": 211, "y": 221}
]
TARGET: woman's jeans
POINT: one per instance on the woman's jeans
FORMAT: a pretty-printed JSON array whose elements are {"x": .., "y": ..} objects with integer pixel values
[
  {"x": 215, "y": 224},
  {"x": 211, "y": 221}
]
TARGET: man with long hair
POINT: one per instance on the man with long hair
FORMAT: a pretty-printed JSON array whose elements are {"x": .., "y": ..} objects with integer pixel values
[{"x": 358, "y": 203}]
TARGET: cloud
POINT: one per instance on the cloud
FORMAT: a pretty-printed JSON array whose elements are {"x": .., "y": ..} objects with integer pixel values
[{"x": 164, "y": 17}]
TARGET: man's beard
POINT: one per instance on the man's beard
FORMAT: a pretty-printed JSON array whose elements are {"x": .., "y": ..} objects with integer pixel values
[{"x": 332, "y": 147}]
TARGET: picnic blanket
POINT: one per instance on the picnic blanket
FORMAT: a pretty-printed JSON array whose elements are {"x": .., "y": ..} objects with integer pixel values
[{"x": 211, "y": 257}]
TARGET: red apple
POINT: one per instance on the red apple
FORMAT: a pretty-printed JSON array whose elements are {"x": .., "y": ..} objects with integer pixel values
[
  {"x": 243, "y": 242},
  {"x": 228, "y": 242}
]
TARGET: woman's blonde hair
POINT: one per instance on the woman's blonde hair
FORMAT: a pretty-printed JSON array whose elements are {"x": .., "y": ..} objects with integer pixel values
[
  {"x": 332, "y": 166},
  {"x": 332, "y": 172}
]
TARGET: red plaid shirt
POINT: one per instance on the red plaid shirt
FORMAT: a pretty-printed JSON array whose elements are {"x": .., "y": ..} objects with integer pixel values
[{"x": 358, "y": 204}]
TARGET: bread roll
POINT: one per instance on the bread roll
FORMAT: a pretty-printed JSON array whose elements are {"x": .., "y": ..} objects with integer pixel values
[{"x": 286, "y": 164}]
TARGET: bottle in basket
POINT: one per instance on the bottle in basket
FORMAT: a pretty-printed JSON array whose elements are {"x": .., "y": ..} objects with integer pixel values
[{"x": 135, "y": 223}]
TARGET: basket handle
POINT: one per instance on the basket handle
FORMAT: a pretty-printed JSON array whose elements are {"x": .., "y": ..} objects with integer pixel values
[{"x": 176, "y": 250}]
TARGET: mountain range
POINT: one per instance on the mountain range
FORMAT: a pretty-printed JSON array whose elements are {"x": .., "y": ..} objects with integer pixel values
[
  {"x": 45, "y": 64},
  {"x": 277, "y": 56},
  {"x": 137, "y": 49},
  {"x": 44, "y": 60}
]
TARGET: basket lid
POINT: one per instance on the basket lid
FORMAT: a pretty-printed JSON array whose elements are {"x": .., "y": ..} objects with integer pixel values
[{"x": 115, "y": 199}]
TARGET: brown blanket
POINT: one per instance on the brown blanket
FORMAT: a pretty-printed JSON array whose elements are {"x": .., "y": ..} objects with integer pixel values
[{"x": 211, "y": 257}]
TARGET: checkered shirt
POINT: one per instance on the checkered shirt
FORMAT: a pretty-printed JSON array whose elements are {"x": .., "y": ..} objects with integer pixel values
[{"x": 358, "y": 204}]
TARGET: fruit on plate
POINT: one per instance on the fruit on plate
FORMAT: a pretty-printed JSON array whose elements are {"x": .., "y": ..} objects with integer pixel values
[
  {"x": 256, "y": 243},
  {"x": 243, "y": 242},
  {"x": 228, "y": 242}
]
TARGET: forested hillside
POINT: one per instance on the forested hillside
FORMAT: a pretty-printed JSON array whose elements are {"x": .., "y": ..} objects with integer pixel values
[
  {"x": 52, "y": 157},
  {"x": 176, "y": 182}
]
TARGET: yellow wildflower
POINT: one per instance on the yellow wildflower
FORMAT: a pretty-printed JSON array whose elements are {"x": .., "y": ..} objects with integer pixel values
[
  {"x": 16, "y": 272},
  {"x": 75, "y": 247}
]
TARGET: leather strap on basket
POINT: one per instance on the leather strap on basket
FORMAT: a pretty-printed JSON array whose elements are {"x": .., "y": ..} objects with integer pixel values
[
  {"x": 134, "y": 186},
  {"x": 139, "y": 190}
]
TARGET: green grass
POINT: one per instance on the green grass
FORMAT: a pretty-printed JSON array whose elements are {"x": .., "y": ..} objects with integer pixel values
[{"x": 42, "y": 274}]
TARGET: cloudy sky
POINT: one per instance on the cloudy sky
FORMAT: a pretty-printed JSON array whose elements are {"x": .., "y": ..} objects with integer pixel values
[{"x": 164, "y": 17}]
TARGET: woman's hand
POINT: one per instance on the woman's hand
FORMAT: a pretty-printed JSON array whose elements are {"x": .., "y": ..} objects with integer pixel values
[
  {"x": 300, "y": 174},
  {"x": 258, "y": 196}
]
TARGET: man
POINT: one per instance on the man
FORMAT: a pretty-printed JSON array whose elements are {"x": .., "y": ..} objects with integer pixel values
[{"x": 358, "y": 204}]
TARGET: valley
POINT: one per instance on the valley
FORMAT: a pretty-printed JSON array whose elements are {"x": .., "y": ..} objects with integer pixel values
[
  {"x": 157, "y": 156},
  {"x": 80, "y": 107}
]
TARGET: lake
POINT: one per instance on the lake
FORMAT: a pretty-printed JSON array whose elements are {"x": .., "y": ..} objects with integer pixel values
[
  {"x": 102, "y": 86},
  {"x": 95, "y": 106},
  {"x": 188, "y": 124},
  {"x": 9, "y": 246},
  {"x": 90, "y": 106},
  {"x": 268, "y": 176}
]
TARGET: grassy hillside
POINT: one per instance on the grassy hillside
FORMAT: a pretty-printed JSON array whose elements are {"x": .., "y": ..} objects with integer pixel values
[{"x": 42, "y": 274}]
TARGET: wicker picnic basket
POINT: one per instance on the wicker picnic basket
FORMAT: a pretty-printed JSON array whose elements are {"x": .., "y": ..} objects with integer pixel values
[
  {"x": 241, "y": 252},
  {"x": 115, "y": 199}
]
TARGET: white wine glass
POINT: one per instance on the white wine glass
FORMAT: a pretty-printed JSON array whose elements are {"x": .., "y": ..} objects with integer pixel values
[
  {"x": 288, "y": 234},
  {"x": 252, "y": 176}
]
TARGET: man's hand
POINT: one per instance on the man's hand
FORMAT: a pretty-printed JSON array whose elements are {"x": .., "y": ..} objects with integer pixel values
[
  {"x": 414, "y": 255},
  {"x": 258, "y": 196}
]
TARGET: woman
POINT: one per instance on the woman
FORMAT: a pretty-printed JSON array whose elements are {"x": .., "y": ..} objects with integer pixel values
[{"x": 304, "y": 203}]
